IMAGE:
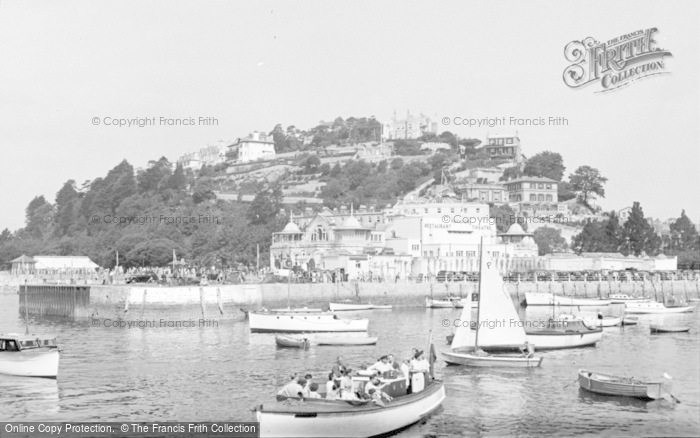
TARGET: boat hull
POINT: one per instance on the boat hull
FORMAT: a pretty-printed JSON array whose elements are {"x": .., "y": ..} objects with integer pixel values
[
  {"x": 302, "y": 323},
  {"x": 542, "y": 299},
  {"x": 654, "y": 308},
  {"x": 346, "y": 341},
  {"x": 438, "y": 304},
  {"x": 552, "y": 340},
  {"x": 342, "y": 307},
  {"x": 30, "y": 363},
  {"x": 323, "y": 418},
  {"x": 608, "y": 385},
  {"x": 630, "y": 320},
  {"x": 288, "y": 342},
  {"x": 668, "y": 329},
  {"x": 624, "y": 298},
  {"x": 460, "y": 304},
  {"x": 470, "y": 360},
  {"x": 608, "y": 321}
]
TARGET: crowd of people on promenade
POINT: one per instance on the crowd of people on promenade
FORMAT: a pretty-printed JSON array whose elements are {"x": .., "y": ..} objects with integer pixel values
[{"x": 341, "y": 386}]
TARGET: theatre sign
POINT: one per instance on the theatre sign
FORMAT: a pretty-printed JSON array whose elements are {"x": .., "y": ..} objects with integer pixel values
[{"x": 615, "y": 63}]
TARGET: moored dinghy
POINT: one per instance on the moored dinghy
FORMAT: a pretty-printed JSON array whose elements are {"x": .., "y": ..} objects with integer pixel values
[
  {"x": 291, "y": 342},
  {"x": 438, "y": 304},
  {"x": 621, "y": 386},
  {"x": 271, "y": 322},
  {"x": 660, "y": 328},
  {"x": 29, "y": 355},
  {"x": 630, "y": 320},
  {"x": 348, "y": 341},
  {"x": 507, "y": 333}
]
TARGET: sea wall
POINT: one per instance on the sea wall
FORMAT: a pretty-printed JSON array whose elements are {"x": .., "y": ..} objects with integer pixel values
[{"x": 227, "y": 301}]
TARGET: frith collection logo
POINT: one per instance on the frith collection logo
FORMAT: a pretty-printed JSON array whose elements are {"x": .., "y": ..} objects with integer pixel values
[{"x": 615, "y": 63}]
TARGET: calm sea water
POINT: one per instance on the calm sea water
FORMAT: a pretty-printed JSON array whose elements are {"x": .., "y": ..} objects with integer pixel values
[{"x": 219, "y": 373}]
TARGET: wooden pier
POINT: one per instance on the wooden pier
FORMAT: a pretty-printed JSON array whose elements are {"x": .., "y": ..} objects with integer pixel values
[{"x": 55, "y": 300}]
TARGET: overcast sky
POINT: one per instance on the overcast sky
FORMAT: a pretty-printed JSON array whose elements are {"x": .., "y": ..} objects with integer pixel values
[{"x": 252, "y": 65}]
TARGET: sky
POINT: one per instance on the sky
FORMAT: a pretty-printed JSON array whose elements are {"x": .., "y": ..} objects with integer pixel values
[{"x": 252, "y": 65}]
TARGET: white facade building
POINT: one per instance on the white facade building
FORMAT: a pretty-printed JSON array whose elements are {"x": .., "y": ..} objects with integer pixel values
[{"x": 256, "y": 146}]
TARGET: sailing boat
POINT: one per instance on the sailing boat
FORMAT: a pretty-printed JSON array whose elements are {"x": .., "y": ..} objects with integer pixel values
[{"x": 498, "y": 326}]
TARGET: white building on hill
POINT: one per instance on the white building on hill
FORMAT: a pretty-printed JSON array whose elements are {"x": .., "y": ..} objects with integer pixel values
[{"x": 256, "y": 146}]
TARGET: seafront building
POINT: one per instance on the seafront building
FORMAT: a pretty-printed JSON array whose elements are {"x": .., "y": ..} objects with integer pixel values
[
  {"x": 413, "y": 237},
  {"x": 256, "y": 146}
]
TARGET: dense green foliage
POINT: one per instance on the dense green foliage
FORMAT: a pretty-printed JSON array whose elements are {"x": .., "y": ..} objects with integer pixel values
[
  {"x": 146, "y": 217},
  {"x": 549, "y": 240}
]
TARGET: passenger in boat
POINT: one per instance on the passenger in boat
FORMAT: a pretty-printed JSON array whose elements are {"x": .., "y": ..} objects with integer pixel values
[
  {"x": 330, "y": 383},
  {"x": 405, "y": 369},
  {"x": 313, "y": 391},
  {"x": 347, "y": 394},
  {"x": 307, "y": 387},
  {"x": 419, "y": 364},
  {"x": 374, "y": 383},
  {"x": 381, "y": 366},
  {"x": 528, "y": 350},
  {"x": 334, "y": 393},
  {"x": 375, "y": 397},
  {"x": 295, "y": 388},
  {"x": 346, "y": 380},
  {"x": 338, "y": 367}
]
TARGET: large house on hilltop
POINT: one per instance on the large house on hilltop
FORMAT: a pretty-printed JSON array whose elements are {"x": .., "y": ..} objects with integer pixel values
[{"x": 256, "y": 146}]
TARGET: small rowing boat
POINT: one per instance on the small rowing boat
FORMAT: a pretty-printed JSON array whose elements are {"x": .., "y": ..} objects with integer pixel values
[
  {"x": 291, "y": 342},
  {"x": 621, "y": 386},
  {"x": 438, "y": 304},
  {"x": 630, "y": 320},
  {"x": 346, "y": 340},
  {"x": 657, "y": 328}
]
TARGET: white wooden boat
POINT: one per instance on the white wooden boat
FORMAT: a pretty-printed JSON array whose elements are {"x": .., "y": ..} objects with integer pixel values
[
  {"x": 599, "y": 321},
  {"x": 658, "y": 328},
  {"x": 326, "y": 340},
  {"x": 494, "y": 305},
  {"x": 694, "y": 300},
  {"x": 546, "y": 299},
  {"x": 340, "y": 307},
  {"x": 624, "y": 298},
  {"x": 272, "y": 322},
  {"x": 328, "y": 418},
  {"x": 438, "y": 304},
  {"x": 291, "y": 342},
  {"x": 468, "y": 358},
  {"x": 620, "y": 386},
  {"x": 29, "y": 355},
  {"x": 630, "y": 320},
  {"x": 654, "y": 307},
  {"x": 467, "y": 302},
  {"x": 563, "y": 334}
]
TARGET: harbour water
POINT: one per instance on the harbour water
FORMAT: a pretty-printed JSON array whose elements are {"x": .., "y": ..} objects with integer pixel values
[{"x": 220, "y": 370}]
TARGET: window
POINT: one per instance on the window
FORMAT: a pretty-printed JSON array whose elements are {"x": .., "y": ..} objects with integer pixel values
[
  {"x": 549, "y": 187},
  {"x": 460, "y": 253},
  {"x": 439, "y": 210},
  {"x": 431, "y": 253},
  {"x": 426, "y": 210},
  {"x": 533, "y": 197},
  {"x": 471, "y": 253},
  {"x": 500, "y": 142},
  {"x": 540, "y": 186},
  {"x": 549, "y": 198},
  {"x": 540, "y": 197},
  {"x": 452, "y": 210},
  {"x": 415, "y": 247}
]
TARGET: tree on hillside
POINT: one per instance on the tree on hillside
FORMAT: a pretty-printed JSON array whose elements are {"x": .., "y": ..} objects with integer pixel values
[
  {"x": 311, "y": 164},
  {"x": 684, "y": 235},
  {"x": 590, "y": 239},
  {"x": 279, "y": 138},
  {"x": 549, "y": 240},
  {"x": 155, "y": 177},
  {"x": 265, "y": 206},
  {"x": 565, "y": 191},
  {"x": 588, "y": 182},
  {"x": 545, "y": 164},
  {"x": 407, "y": 147},
  {"x": 504, "y": 216},
  {"x": 66, "y": 211},
  {"x": 638, "y": 235},
  {"x": 178, "y": 180},
  {"x": 613, "y": 233},
  {"x": 510, "y": 173}
]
